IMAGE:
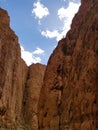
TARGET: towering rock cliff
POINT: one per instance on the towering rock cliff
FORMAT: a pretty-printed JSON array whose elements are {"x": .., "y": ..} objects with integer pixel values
[
  {"x": 13, "y": 72},
  {"x": 19, "y": 85},
  {"x": 31, "y": 97},
  {"x": 69, "y": 95}
]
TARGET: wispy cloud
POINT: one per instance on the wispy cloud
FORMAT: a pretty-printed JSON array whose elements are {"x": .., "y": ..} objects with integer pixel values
[
  {"x": 65, "y": 15},
  {"x": 39, "y": 10},
  {"x": 31, "y": 57},
  {"x": 76, "y": 1},
  {"x": 50, "y": 34},
  {"x": 38, "y": 51},
  {"x": 53, "y": 34}
]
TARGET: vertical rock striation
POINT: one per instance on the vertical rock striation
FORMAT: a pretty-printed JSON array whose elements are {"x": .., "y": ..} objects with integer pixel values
[
  {"x": 31, "y": 97},
  {"x": 13, "y": 73},
  {"x": 19, "y": 85},
  {"x": 69, "y": 95}
]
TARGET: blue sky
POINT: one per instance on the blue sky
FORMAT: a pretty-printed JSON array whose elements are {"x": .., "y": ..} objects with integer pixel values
[{"x": 39, "y": 24}]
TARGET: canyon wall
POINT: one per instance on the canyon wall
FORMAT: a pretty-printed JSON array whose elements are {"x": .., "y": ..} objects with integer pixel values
[
  {"x": 13, "y": 73},
  {"x": 69, "y": 95},
  {"x": 19, "y": 84},
  {"x": 31, "y": 95},
  {"x": 67, "y": 99}
]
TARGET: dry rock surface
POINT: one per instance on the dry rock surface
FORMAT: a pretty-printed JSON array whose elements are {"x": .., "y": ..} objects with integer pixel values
[
  {"x": 66, "y": 97},
  {"x": 32, "y": 93},
  {"x": 13, "y": 73},
  {"x": 69, "y": 95},
  {"x": 16, "y": 82}
]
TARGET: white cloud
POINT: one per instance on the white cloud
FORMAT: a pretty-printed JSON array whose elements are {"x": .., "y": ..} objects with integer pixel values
[
  {"x": 50, "y": 34},
  {"x": 72, "y": 0},
  {"x": 69, "y": 12},
  {"x": 40, "y": 10},
  {"x": 53, "y": 34},
  {"x": 29, "y": 57},
  {"x": 38, "y": 51},
  {"x": 65, "y": 15}
]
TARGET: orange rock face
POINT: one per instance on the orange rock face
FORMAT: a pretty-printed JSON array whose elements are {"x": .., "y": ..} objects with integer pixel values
[
  {"x": 68, "y": 99},
  {"x": 32, "y": 92},
  {"x": 69, "y": 95},
  {"x": 13, "y": 72},
  {"x": 19, "y": 85}
]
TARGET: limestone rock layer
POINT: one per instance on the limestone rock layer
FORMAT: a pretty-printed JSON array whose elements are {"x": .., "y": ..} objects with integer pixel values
[{"x": 69, "y": 95}]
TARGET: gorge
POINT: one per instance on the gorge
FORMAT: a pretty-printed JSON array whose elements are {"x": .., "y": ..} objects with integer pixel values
[{"x": 60, "y": 96}]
